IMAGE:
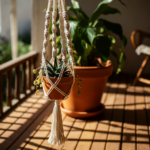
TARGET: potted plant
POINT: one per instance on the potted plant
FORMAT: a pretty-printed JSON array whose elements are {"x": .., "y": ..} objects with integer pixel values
[
  {"x": 53, "y": 73},
  {"x": 93, "y": 42}
]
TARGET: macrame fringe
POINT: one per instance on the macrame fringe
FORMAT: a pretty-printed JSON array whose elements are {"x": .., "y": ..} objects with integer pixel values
[{"x": 57, "y": 132}]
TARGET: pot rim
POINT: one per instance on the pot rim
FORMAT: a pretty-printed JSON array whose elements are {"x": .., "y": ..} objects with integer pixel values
[
  {"x": 64, "y": 80},
  {"x": 92, "y": 67}
]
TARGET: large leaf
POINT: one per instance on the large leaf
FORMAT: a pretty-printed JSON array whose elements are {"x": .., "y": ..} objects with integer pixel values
[
  {"x": 103, "y": 8},
  {"x": 71, "y": 9},
  {"x": 113, "y": 27},
  {"x": 88, "y": 34},
  {"x": 76, "y": 38},
  {"x": 77, "y": 6},
  {"x": 80, "y": 14},
  {"x": 103, "y": 44},
  {"x": 110, "y": 10},
  {"x": 78, "y": 46},
  {"x": 73, "y": 28}
]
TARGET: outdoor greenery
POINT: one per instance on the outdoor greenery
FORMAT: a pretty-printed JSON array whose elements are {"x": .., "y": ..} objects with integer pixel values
[
  {"x": 91, "y": 35},
  {"x": 6, "y": 55},
  {"x": 5, "y": 49}
]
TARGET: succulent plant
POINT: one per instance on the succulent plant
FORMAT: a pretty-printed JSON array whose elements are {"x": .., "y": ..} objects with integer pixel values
[{"x": 53, "y": 71}]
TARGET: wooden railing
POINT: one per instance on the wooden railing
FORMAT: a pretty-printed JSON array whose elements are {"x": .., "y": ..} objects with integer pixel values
[{"x": 21, "y": 69}]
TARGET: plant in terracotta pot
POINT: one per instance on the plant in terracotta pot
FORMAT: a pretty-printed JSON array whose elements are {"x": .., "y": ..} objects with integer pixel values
[
  {"x": 93, "y": 43},
  {"x": 54, "y": 70}
]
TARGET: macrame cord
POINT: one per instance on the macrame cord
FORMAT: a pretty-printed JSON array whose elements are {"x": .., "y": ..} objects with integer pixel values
[{"x": 57, "y": 133}]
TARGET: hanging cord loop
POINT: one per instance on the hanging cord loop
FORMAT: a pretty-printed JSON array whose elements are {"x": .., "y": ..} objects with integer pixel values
[{"x": 46, "y": 31}]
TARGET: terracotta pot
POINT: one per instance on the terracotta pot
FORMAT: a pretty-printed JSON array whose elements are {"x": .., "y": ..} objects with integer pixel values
[
  {"x": 93, "y": 85},
  {"x": 64, "y": 84}
]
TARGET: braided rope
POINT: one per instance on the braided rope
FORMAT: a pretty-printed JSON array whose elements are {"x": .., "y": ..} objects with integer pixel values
[
  {"x": 46, "y": 31},
  {"x": 54, "y": 30},
  {"x": 67, "y": 33},
  {"x": 64, "y": 25},
  {"x": 62, "y": 34}
]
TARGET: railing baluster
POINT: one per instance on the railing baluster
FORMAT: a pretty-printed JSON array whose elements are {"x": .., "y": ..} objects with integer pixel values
[
  {"x": 27, "y": 62},
  {"x": 9, "y": 88},
  {"x": 24, "y": 78},
  {"x": 1, "y": 95},
  {"x": 17, "y": 82},
  {"x": 33, "y": 67},
  {"x": 30, "y": 74}
]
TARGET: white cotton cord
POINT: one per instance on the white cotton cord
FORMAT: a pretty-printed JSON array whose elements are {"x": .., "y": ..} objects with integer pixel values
[
  {"x": 46, "y": 31},
  {"x": 57, "y": 133},
  {"x": 54, "y": 85},
  {"x": 54, "y": 29},
  {"x": 67, "y": 32},
  {"x": 62, "y": 33}
]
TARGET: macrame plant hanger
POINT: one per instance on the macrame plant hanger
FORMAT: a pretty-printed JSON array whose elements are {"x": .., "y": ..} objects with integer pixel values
[{"x": 57, "y": 133}]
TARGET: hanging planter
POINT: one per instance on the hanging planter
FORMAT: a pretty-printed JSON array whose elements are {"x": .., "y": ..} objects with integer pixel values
[
  {"x": 64, "y": 84},
  {"x": 56, "y": 77}
]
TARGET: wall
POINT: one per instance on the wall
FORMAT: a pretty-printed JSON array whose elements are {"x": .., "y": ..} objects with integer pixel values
[{"x": 24, "y": 13}]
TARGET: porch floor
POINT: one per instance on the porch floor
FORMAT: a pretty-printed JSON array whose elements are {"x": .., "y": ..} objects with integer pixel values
[{"x": 124, "y": 125}]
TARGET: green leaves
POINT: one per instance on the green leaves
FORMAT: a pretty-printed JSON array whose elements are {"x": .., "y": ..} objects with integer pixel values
[
  {"x": 121, "y": 61},
  {"x": 73, "y": 28},
  {"x": 88, "y": 34},
  {"x": 91, "y": 36},
  {"x": 104, "y": 9},
  {"x": 80, "y": 14},
  {"x": 103, "y": 44},
  {"x": 110, "y": 10},
  {"x": 75, "y": 4},
  {"x": 113, "y": 27},
  {"x": 54, "y": 71}
]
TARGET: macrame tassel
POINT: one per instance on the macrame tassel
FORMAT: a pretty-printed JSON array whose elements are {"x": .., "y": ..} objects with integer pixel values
[{"x": 57, "y": 132}]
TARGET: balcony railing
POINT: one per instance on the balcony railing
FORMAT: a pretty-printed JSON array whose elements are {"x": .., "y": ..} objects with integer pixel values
[{"x": 19, "y": 70}]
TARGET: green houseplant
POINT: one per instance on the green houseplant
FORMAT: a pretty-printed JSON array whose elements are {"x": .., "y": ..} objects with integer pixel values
[
  {"x": 91, "y": 36},
  {"x": 93, "y": 43}
]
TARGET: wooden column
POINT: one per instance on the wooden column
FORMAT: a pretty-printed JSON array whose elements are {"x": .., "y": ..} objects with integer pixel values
[
  {"x": 14, "y": 30},
  {"x": 9, "y": 88},
  {"x": 38, "y": 29}
]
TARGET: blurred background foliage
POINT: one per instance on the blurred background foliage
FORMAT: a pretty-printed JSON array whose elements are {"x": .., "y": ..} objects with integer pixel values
[{"x": 24, "y": 46}]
